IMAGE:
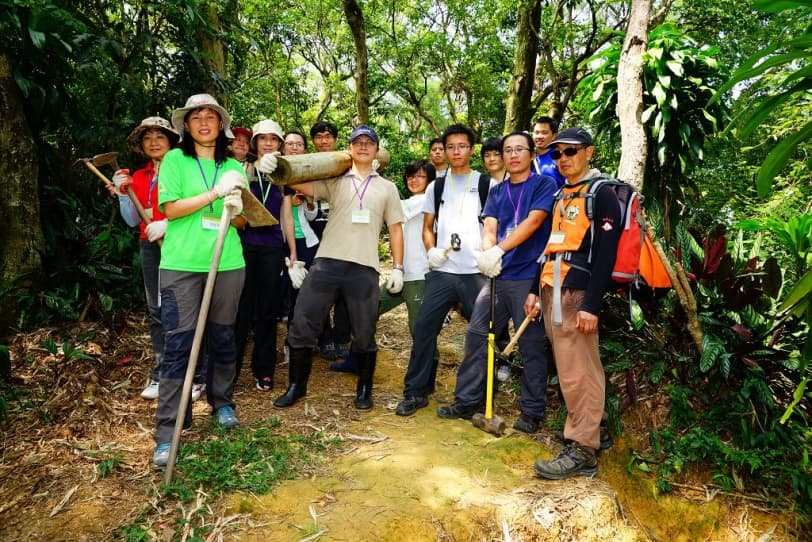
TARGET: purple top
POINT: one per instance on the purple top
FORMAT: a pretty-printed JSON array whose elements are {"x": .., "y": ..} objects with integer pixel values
[{"x": 271, "y": 196}]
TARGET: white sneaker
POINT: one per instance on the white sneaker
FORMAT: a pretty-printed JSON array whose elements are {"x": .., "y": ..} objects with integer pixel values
[
  {"x": 503, "y": 373},
  {"x": 197, "y": 391},
  {"x": 151, "y": 391}
]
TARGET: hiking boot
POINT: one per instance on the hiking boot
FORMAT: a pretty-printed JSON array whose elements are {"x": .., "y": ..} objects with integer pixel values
[
  {"x": 160, "y": 457},
  {"x": 151, "y": 391},
  {"x": 410, "y": 404},
  {"x": 264, "y": 384},
  {"x": 197, "y": 391},
  {"x": 606, "y": 441},
  {"x": 527, "y": 424},
  {"x": 574, "y": 459},
  {"x": 226, "y": 417},
  {"x": 328, "y": 352},
  {"x": 457, "y": 410}
]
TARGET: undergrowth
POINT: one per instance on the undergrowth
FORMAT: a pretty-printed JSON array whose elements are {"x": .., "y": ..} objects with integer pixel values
[{"x": 252, "y": 460}]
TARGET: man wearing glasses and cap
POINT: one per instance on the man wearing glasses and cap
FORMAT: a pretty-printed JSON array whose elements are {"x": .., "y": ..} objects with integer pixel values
[
  {"x": 346, "y": 264},
  {"x": 572, "y": 287}
]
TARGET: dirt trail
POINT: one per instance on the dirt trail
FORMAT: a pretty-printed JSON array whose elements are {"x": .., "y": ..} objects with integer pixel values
[
  {"x": 400, "y": 479},
  {"x": 426, "y": 478}
]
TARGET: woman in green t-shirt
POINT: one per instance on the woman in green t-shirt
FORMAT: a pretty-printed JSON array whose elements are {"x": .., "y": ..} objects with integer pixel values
[{"x": 197, "y": 181}]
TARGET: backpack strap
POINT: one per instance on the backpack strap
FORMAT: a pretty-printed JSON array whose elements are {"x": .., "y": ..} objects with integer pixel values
[
  {"x": 483, "y": 187},
  {"x": 439, "y": 185}
]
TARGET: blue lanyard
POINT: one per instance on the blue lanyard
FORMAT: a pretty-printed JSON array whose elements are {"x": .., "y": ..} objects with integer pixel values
[
  {"x": 205, "y": 182},
  {"x": 361, "y": 193}
]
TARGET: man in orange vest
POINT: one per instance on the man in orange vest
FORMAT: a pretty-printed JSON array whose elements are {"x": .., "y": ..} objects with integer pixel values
[{"x": 571, "y": 300}]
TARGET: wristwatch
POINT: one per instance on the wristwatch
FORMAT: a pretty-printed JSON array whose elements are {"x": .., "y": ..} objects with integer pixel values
[{"x": 398, "y": 266}]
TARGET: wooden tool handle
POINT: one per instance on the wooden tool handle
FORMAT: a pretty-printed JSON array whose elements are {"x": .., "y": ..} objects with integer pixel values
[{"x": 518, "y": 335}]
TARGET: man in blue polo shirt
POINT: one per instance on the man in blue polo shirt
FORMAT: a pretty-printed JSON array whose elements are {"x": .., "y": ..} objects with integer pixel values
[
  {"x": 544, "y": 131},
  {"x": 514, "y": 234}
]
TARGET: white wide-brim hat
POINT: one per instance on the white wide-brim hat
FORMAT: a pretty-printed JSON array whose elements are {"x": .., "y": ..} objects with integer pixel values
[
  {"x": 267, "y": 126},
  {"x": 199, "y": 101}
]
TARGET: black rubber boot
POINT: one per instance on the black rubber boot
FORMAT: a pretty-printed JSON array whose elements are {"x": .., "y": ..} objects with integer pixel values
[
  {"x": 366, "y": 370},
  {"x": 301, "y": 359}
]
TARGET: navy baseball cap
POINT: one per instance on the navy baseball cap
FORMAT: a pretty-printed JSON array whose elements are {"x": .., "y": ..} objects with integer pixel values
[
  {"x": 572, "y": 136},
  {"x": 363, "y": 130}
]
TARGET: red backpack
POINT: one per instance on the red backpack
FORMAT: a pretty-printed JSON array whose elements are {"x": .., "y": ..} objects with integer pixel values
[{"x": 637, "y": 262}]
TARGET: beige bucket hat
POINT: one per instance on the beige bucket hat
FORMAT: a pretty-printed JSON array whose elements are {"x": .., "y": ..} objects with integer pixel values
[
  {"x": 196, "y": 102},
  {"x": 151, "y": 123}
]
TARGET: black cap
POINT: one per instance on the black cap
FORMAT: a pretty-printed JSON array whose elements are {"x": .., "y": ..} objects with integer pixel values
[{"x": 573, "y": 136}]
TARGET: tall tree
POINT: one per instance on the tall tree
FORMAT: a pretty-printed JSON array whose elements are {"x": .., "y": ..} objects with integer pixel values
[
  {"x": 355, "y": 19},
  {"x": 519, "y": 113}
]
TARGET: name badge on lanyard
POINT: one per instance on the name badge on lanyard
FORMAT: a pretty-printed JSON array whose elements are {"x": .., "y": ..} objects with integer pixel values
[
  {"x": 210, "y": 222},
  {"x": 557, "y": 237},
  {"x": 360, "y": 216}
]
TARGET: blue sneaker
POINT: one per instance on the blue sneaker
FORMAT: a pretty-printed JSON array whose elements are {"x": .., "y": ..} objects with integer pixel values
[
  {"x": 160, "y": 457},
  {"x": 226, "y": 417}
]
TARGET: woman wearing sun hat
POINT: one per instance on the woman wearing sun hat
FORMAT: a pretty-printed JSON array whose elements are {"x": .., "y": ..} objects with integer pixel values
[
  {"x": 197, "y": 181},
  {"x": 264, "y": 250},
  {"x": 150, "y": 140}
]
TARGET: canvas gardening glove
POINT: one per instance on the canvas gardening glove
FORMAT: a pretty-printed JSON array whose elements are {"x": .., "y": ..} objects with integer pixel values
[
  {"x": 296, "y": 272},
  {"x": 267, "y": 164},
  {"x": 395, "y": 283},
  {"x": 233, "y": 202},
  {"x": 228, "y": 182},
  {"x": 437, "y": 257},
  {"x": 156, "y": 230},
  {"x": 490, "y": 261},
  {"x": 121, "y": 180}
]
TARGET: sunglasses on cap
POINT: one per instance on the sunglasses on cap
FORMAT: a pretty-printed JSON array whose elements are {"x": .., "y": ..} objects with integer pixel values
[{"x": 569, "y": 151}]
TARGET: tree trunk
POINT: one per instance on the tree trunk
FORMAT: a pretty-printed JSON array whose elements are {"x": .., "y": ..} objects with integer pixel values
[
  {"x": 214, "y": 55},
  {"x": 630, "y": 96},
  {"x": 634, "y": 145},
  {"x": 21, "y": 240},
  {"x": 519, "y": 112},
  {"x": 355, "y": 18}
]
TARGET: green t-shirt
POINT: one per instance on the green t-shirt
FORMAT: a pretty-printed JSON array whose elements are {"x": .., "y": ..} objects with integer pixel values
[
  {"x": 189, "y": 241},
  {"x": 297, "y": 227}
]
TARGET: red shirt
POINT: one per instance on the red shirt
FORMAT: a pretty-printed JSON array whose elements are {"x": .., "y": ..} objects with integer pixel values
[{"x": 145, "y": 188}]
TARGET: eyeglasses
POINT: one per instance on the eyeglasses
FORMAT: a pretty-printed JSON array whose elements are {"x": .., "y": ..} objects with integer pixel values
[
  {"x": 294, "y": 144},
  {"x": 455, "y": 148},
  {"x": 363, "y": 142},
  {"x": 569, "y": 151},
  {"x": 514, "y": 150}
]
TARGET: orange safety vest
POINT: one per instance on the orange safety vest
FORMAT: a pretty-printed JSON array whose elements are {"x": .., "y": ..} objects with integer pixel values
[{"x": 570, "y": 224}]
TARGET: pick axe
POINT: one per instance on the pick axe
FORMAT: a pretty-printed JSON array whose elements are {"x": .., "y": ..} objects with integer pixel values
[
  {"x": 258, "y": 215},
  {"x": 111, "y": 159},
  {"x": 506, "y": 355}
]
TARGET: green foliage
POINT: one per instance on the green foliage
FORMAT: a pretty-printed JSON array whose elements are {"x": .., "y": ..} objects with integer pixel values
[
  {"x": 784, "y": 71},
  {"x": 678, "y": 80},
  {"x": 250, "y": 459}
]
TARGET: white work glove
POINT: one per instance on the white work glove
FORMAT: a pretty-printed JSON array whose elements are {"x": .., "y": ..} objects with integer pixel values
[
  {"x": 121, "y": 180},
  {"x": 156, "y": 230},
  {"x": 490, "y": 261},
  {"x": 233, "y": 202},
  {"x": 375, "y": 165},
  {"x": 296, "y": 272},
  {"x": 395, "y": 283},
  {"x": 229, "y": 181},
  {"x": 437, "y": 257},
  {"x": 267, "y": 164}
]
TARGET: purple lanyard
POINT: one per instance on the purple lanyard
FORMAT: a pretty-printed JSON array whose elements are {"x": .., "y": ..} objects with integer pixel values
[
  {"x": 516, "y": 205},
  {"x": 205, "y": 182},
  {"x": 362, "y": 192},
  {"x": 152, "y": 184}
]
